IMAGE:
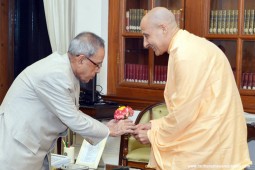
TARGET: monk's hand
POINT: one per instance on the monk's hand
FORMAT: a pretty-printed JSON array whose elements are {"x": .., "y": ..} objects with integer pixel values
[
  {"x": 146, "y": 126},
  {"x": 141, "y": 135}
]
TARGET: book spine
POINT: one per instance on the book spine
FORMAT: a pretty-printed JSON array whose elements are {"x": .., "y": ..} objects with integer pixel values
[
  {"x": 249, "y": 84},
  {"x": 125, "y": 72},
  {"x": 244, "y": 22},
  {"x": 143, "y": 73},
  {"x": 135, "y": 20},
  {"x": 228, "y": 15},
  {"x": 219, "y": 21},
  {"x": 223, "y": 25},
  {"x": 232, "y": 22},
  {"x": 211, "y": 21},
  {"x": 247, "y": 21},
  {"x": 128, "y": 72},
  {"x": 146, "y": 74},
  {"x": 215, "y": 21},
  {"x": 127, "y": 21},
  {"x": 245, "y": 80},
  {"x": 251, "y": 22},
  {"x": 235, "y": 21},
  {"x": 155, "y": 74}
]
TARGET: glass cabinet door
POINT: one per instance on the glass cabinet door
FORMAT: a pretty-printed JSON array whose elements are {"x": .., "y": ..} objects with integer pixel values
[
  {"x": 248, "y": 65},
  {"x": 176, "y": 7},
  {"x": 248, "y": 18},
  {"x": 229, "y": 47},
  {"x": 140, "y": 67},
  {"x": 135, "y": 10},
  {"x": 160, "y": 69},
  {"x": 223, "y": 17},
  {"x": 135, "y": 61}
]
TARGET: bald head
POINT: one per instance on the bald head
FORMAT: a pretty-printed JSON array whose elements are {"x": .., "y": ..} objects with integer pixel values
[
  {"x": 160, "y": 15},
  {"x": 158, "y": 27}
]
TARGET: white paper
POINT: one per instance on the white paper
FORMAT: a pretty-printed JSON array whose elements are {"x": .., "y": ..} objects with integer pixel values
[
  {"x": 59, "y": 160},
  {"x": 90, "y": 155}
]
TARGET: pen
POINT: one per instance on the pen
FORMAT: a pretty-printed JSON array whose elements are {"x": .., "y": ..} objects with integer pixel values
[{"x": 64, "y": 143}]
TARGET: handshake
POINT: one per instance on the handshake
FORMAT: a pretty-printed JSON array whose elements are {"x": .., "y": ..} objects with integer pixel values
[{"x": 122, "y": 125}]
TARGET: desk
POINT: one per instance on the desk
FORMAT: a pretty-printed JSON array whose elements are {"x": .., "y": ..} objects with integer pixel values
[{"x": 100, "y": 111}]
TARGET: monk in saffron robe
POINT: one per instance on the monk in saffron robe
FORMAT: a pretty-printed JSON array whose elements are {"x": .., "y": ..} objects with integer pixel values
[{"x": 205, "y": 128}]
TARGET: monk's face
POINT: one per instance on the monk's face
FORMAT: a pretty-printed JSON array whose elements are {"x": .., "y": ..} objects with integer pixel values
[{"x": 153, "y": 36}]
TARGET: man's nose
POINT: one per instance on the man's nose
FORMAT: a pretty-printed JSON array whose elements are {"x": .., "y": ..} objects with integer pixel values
[{"x": 145, "y": 43}]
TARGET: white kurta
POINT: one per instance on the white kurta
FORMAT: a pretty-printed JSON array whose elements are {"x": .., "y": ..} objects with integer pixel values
[{"x": 205, "y": 128}]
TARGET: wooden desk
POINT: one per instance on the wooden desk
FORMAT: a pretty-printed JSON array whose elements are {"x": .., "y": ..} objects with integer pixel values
[{"x": 100, "y": 111}]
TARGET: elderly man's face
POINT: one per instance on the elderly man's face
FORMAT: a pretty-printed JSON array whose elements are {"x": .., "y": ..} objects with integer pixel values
[
  {"x": 89, "y": 67},
  {"x": 153, "y": 36}
]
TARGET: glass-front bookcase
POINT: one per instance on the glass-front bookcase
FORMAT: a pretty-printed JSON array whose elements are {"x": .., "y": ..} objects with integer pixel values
[
  {"x": 229, "y": 48},
  {"x": 137, "y": 73},
  {"x": 231, "y": 26},
  {"x": 140, "y": 67}
]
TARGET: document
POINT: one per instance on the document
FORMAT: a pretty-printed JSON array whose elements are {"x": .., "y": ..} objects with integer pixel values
[
  {"x": 90, "y": 155},
  {"x": 58, "y": 161}
]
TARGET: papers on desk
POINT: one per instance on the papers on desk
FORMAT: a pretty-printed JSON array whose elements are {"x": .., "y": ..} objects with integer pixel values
[
  {"x": 59, "y": 160},
  {"x": 250, "y": 118},
  {"x": 90, "y": 155}
]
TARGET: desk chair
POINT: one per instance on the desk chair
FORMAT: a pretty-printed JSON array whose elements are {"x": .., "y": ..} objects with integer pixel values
[{"x": 133, "y": 153}]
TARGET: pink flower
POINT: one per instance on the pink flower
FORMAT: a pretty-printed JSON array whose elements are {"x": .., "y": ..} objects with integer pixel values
[{"x": 123, "y": 113}]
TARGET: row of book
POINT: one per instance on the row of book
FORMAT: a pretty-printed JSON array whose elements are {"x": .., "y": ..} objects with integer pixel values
[
  {"x": 249, "y": 21},
  {"x": 248, "y": 81},
  {"x": 136, "y": 73},
  {"x": 134, "y": 17},
  {"x": 139, "y": 73},
  {"x": 160, "y": 74},
  {"x": 223, "y": 22}
]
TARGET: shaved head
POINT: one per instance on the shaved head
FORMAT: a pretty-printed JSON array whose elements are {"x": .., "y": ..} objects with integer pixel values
[
  {"x": 158, "y": 27},
  {"x": 160, "y": 15}
]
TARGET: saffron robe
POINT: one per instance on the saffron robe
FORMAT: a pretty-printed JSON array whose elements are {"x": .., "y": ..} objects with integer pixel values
[{"x": 205, "y": 127}]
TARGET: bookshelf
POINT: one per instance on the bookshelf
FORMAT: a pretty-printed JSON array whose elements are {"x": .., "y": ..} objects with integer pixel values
[
  {"x": 232, "y": 29},
  {"x": 137, "y": 77},
  {"x": 229, "y": 33}
]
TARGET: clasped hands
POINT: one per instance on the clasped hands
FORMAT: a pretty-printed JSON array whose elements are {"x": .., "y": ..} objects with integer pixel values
[{"x": 120, "y": 127}]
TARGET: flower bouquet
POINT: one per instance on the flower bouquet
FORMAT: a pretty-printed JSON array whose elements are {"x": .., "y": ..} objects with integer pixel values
[{"x": 123, "y": 112}]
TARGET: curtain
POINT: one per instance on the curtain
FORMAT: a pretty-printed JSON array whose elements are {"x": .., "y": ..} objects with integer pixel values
[
  {"x": 60, "y": 19},
  {"x": 31, "y": 40}
]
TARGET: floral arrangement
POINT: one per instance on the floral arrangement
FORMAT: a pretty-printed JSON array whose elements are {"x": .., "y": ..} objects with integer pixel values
[{"x": 123, "y": 112}]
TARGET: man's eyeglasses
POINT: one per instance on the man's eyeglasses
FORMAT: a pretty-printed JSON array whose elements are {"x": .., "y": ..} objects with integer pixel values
[{"x": 95, "y": 64}]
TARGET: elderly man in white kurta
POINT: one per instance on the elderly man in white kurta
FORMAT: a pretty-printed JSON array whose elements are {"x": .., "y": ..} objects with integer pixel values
[{"x": 205, "y": 128}]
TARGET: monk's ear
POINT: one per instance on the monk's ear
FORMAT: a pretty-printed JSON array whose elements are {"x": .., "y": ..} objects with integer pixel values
[{"x": 163, "y": 27}]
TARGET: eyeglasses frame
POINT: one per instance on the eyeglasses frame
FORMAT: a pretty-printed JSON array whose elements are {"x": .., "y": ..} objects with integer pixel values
[{"x": 95, "y": 64}]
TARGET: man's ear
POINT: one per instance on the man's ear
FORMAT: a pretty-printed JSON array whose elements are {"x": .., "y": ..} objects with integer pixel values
[{"x": 80, "y": 59}]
